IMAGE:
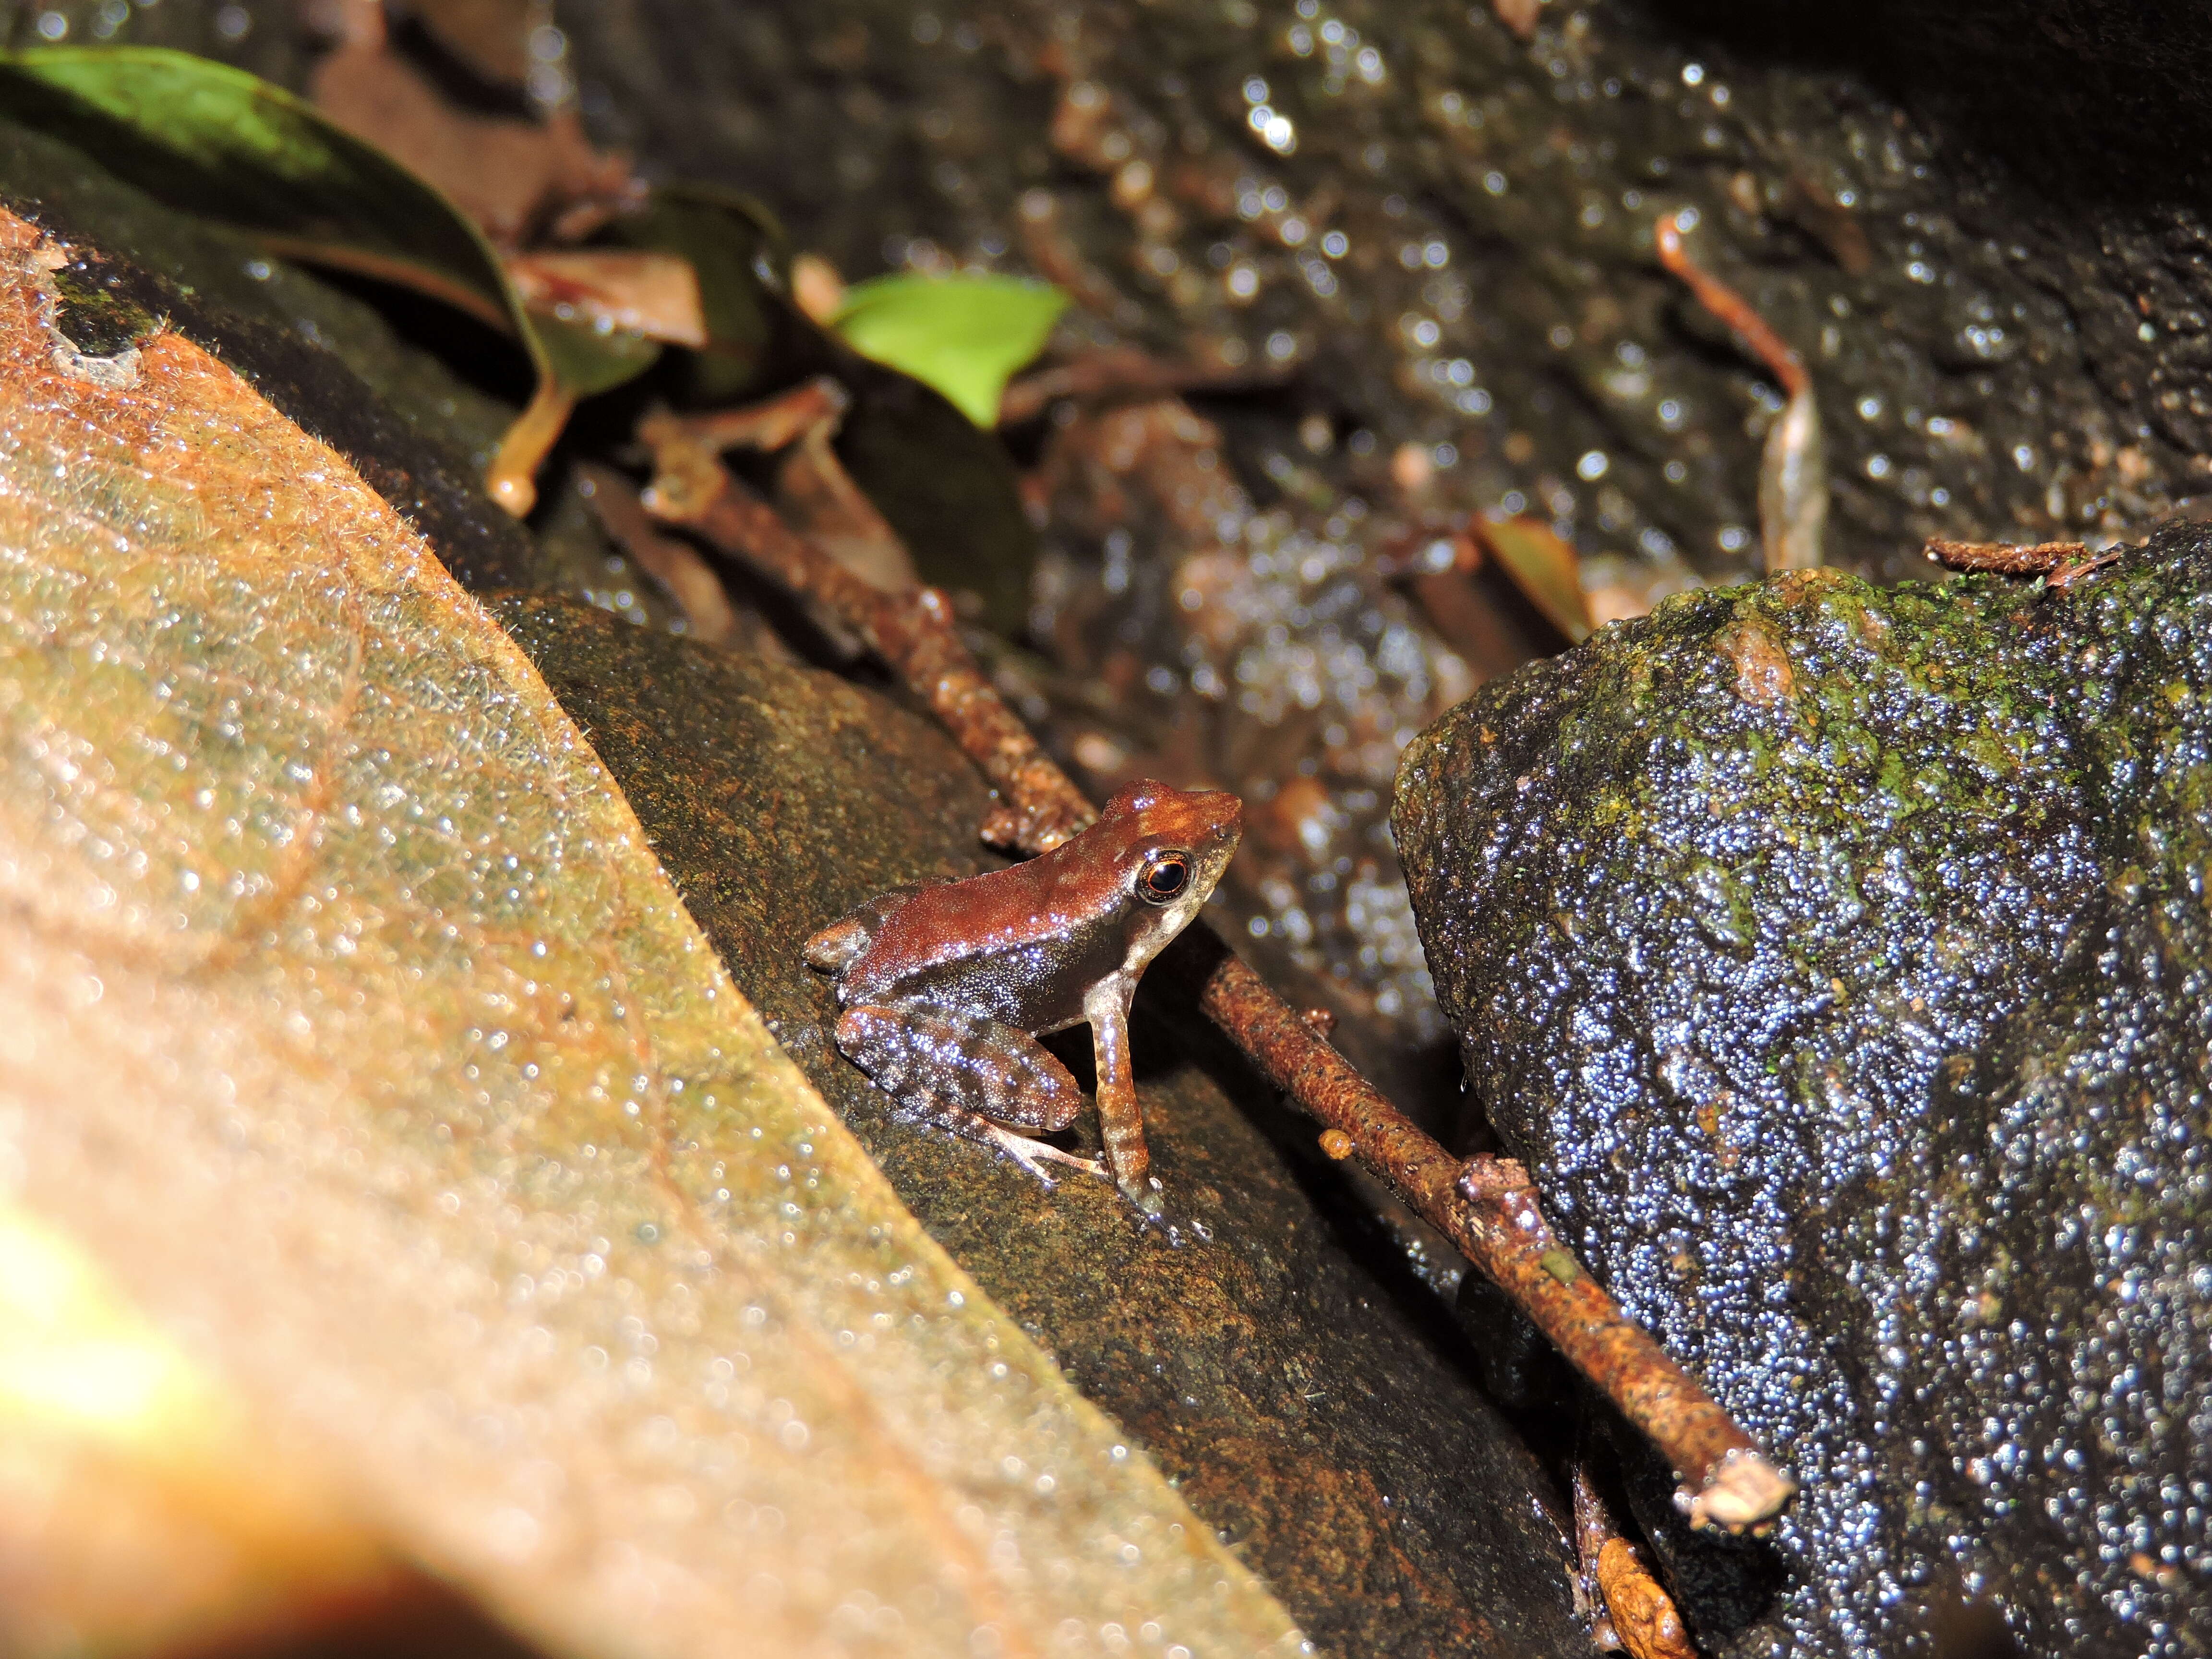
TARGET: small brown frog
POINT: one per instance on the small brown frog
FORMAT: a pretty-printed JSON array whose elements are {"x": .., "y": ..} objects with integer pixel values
[{"x": 946, "y": 989}]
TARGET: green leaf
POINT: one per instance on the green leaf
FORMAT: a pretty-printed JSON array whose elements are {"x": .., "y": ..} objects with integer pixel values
[
  {"x": 963, "y": 335},
  {"x": 587, "y": 361},
  {"x": 210, "y": 139}
]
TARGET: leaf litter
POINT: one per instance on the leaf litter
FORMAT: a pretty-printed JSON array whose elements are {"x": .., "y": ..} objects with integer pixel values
[{"x": 244, "y": 152}]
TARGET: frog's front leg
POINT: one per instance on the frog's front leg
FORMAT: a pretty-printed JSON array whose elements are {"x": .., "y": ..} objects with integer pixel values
[
  {"x": 970, "y": 1074},
  {"x": 1121, "y": 1121}
]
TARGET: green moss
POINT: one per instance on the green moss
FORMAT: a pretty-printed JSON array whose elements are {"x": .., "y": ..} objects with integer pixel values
[{"x": 1915, "y": 904}]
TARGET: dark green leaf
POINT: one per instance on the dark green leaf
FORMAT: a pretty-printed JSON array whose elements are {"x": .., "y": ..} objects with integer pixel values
[{"x": 731, "y": 241}]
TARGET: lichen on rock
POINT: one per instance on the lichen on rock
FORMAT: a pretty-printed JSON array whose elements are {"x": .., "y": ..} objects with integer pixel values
[{"x": 1839, "y": 960}]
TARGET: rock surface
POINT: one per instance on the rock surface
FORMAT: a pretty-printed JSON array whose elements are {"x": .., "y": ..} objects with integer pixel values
[
  {"x": 1444, "y": 251},
  {"x": 1839, "y": 960},
  {"x": 1447, "y": 239},
  {"x": 1280, "y": 1375}
]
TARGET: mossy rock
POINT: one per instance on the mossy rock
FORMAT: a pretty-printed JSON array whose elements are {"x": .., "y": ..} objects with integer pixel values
[{"x": 1839, "y": 960}]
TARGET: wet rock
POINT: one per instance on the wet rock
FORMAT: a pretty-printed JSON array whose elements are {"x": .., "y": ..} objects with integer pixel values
[
  {"x": 1283, "y": 1372},
  {"x": 1442, "y": 232},
  {"x": 1839, "y": 961},
  {"x": 1408, "y": 231}
]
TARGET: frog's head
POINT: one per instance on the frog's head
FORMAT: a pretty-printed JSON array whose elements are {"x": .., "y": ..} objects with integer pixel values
[{"x": 1169, "y": 848}]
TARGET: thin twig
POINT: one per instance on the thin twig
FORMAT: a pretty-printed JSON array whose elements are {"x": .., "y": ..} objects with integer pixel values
[
  {"x": 2063, "y": 563},
  {"x": 2003, "y": 558},
  {"x": 1486, "y": 1206},
  {"x": 911, "y": 631},
  {"x": 669, "y": 560},
  {"x": 1793, "y": 473},
  {"x": 1594, "y": 1527},
  {"x": 1731, "y": 307}
]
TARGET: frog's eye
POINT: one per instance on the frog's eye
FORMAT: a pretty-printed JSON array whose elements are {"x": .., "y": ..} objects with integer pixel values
[{"x": 1165, "y": 878}]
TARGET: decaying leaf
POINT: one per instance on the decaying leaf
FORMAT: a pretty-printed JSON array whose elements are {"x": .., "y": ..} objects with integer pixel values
[
  {"x": 517, "y": 179},
  {"x": 1793, "y": 485},
  {"x": 347, "y": 1022},
  {"x": 817, "y": 288},
  {"x": 1518, "y": 15},
  {"x": 655, "y": 294},
  {"x": 492, "y": 37},
  {"x": 1543, "y": 568},
  {"x": 112, "y": 1439}
]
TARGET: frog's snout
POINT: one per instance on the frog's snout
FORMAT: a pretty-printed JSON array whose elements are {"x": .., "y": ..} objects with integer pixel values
[
  {"x": 1222, "y": 814},
  {"x": 1232, "y": 817}
]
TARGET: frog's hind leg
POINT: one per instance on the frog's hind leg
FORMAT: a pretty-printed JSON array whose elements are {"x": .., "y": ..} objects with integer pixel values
[{"x": 969, "y": 1074}]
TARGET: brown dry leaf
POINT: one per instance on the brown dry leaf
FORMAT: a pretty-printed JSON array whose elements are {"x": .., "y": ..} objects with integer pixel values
[
  {"x": 817, "y": 288},
  {"x": 492, "y": 37},
  {"x": 1518, "y": 15},
  {"x": 655, "y": 294},
  {"x": 347, "y": 1023},
  {"x": 1543, "y": 566},
  {"x": 514, "y": 178}
]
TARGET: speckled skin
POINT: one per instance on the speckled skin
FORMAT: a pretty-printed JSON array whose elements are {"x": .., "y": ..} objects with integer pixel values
[
  {"x": 1839, "y": 961},
  {"x": 946, "y": 989}
]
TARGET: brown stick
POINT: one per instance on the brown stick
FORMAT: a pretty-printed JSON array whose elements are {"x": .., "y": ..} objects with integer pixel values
[
  {"x": 2063, "y": 563},
  {"x": 2004, "y": 558},
  {"x": 1731, "y": 307},
  {"x": 1486, "y": 1206},
  {"x": 669, "y": 560},
  {"x": 911, "y": 632}
]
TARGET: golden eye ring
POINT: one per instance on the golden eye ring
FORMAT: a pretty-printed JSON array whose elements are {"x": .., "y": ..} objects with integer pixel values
[{"x": 1165, "y": 878}]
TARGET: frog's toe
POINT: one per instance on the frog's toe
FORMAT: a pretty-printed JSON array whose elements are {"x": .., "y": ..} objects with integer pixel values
[
  {"x": 1034, "y": 1155},
  {"x": 1145, "y": 1194}
]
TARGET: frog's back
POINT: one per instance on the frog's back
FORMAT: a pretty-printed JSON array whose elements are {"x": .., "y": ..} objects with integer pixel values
[{"x": 1006, "y": 944}]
